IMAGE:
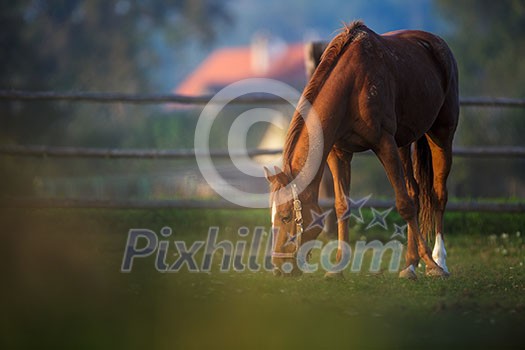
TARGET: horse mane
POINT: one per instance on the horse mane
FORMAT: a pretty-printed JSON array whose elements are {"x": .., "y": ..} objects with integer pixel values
[{"x": 329, "y": 59}]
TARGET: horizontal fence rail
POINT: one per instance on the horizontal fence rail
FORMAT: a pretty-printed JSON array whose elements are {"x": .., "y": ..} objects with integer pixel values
[
  {"x": 107, "y": 97},
  {"x": 223, "y": 204},
  {"x": 492, "y": 102},
  {"x": 98, "y": 97},
  {"x": 111, "y": 153}
]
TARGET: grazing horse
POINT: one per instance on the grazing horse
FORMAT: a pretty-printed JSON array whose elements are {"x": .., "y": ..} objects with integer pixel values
[{"x": 395, "y": 94}]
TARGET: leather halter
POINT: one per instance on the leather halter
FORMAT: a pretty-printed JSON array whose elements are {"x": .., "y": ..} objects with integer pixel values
[{"x": 298, "y": 218}]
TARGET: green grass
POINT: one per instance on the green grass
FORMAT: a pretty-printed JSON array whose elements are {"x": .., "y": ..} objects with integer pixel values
[{"x": 62, "y": 288}]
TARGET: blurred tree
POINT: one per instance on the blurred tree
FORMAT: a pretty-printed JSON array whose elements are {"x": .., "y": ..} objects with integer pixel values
[
  {"x": 96, "y": 45},
  {"x": 88, "y": 45},
  {"x": 488, "y": 39}
]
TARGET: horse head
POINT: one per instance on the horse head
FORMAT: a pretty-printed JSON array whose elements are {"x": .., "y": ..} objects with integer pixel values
[{"x": 293, "y": 211}]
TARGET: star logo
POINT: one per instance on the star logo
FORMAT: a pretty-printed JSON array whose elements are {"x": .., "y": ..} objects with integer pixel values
[
  {"x": 399, "y": 231},
  {"x": 379, "y": 218},
  {"x": 318, "y": 220},
  {"x": 359, "y": 204},
  {"x": 290, "y": 238}
]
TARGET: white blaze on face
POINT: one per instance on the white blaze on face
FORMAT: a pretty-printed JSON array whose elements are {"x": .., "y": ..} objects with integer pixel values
[
  {"x": 439, "y": 254},
  {"x": 274, "y": 213}
]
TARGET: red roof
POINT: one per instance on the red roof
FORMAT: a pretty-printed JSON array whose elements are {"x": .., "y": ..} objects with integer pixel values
[{"x": 228, "y": 65}]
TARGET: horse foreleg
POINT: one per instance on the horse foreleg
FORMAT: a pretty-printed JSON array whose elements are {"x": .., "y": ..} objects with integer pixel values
[
  {"x": 326, "y": 190},
  {"x": 412, "y": 255},
  {"x": 387, "y": 152},
  {"x": 339, "y": 163}
]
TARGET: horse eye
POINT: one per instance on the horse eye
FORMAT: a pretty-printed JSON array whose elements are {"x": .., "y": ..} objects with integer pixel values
[{"x": 286, "y": 219}]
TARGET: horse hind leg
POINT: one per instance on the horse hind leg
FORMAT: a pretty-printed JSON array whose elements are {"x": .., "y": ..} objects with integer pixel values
[
  {"x": 441, "y": 164},
  {"x": 440, "y": 137},
  {"x": 387, "y": 153}
]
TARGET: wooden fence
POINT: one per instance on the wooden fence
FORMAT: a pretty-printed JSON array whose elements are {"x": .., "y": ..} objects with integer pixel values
[
  {"x": 103, "y": 97},
  {"x": 78, "y": 152},
  {"x": 113, "y": 153}
]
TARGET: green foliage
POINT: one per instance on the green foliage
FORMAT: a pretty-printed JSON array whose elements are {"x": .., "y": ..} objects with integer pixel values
[
  {"x": 94, "y": 45},
  {"x": 85, "y": 45},
  {"x": 489, "y": 42},
  {"x": 488, "y": 39}
]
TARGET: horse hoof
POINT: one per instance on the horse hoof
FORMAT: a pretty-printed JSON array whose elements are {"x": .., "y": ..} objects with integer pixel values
[
  {"x": 408, "y": 273},
  {"x": 333, "y": 275},
  {"x": 437, "y": 272}
]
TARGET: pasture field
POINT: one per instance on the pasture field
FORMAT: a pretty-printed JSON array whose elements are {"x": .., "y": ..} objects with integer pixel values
[{"x": 62, "y": 288}]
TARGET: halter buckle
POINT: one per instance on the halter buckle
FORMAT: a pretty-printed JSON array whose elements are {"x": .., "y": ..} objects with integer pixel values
[
  {"x": 298, "y": 217},
  {"x": 298, "y": 207}
]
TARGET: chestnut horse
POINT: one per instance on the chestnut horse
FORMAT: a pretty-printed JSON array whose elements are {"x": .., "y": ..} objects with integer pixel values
[{"x": 395, "y": 94}]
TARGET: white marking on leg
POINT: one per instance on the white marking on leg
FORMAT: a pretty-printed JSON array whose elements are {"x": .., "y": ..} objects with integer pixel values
[{"x": 439, "y": 254}]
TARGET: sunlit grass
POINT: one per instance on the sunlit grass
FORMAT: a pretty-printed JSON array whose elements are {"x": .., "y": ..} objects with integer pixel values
[{"x": 63, "y": 289}]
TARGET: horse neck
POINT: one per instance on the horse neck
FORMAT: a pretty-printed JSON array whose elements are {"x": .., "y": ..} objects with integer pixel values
[
  {"x": 328, "y": 104},
  {"x": 297, "y": 162}
]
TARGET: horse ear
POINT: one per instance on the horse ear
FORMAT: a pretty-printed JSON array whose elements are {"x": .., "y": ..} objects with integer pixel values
[
  {"x": 281, "y": 176},
  {"x": 268, "y": 175}
]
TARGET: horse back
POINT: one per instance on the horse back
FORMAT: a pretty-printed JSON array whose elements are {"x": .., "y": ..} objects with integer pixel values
[
  {"x": 433, "y": 45},
  {"x": 417, "y": 74}
]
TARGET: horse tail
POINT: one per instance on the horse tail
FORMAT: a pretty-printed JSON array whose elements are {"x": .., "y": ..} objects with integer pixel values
[
  {"x": 425, "y": 179},
  {"x": 447, "y": 63}
]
